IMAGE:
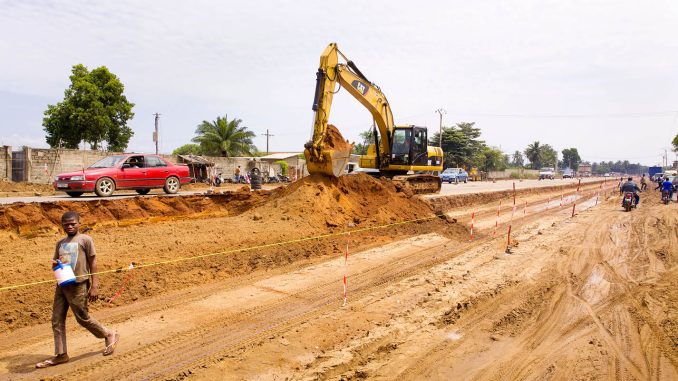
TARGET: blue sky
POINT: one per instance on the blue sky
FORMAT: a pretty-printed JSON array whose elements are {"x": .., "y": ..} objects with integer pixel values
[{"x": 597, "y": 75}]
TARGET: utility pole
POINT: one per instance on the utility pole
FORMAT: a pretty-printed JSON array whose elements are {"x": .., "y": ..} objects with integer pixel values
[
  {"x": 155, "y": 133},
  {"x": 440, "y": 112},
  {"x": 267, "y": 135}
]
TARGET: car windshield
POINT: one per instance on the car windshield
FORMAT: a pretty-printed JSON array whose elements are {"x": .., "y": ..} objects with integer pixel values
[
  {"x": 107, "y": 162},
  {"x": 449, "y": 170}
]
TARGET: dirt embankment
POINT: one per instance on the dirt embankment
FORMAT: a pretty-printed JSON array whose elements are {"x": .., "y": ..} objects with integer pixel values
[{"x": 148, "y": 230}]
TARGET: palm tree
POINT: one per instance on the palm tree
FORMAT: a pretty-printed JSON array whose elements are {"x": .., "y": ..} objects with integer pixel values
[
  {"x": 534, "y": 154},
  {"x": 224, "y": 138}
]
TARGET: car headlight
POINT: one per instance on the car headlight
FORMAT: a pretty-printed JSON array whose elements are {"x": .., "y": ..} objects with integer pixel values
[{"x": 78, "y": 178}]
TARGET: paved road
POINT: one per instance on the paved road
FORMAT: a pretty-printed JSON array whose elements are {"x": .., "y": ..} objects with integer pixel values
[{"x": 487, "y": 186}]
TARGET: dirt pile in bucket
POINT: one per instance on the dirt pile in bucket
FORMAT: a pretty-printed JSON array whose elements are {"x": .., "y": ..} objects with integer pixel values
[{"x": 334, "y": 139}]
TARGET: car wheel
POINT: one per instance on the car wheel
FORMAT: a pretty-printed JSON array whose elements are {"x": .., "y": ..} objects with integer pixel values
[
  {"x": 171, "y": 185},
  {"x": 74, "y": 194},
  {"x": 143, "y": 191},
  {"x": 104, "y": 187}
]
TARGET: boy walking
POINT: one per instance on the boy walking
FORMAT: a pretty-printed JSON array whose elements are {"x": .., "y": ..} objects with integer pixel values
[{"x": 76, "y": 250}]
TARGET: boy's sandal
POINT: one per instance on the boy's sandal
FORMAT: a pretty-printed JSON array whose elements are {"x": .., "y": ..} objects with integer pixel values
[
  {"x": 110, "y": 348},
  {"x": 49, "y": 362}
]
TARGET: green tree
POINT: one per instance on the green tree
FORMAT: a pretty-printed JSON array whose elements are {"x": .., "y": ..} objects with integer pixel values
[
  {"x": 94, "y": 109},
  {"x": 675, "y": 143},
  {"x": 549, "y": 156},
  {"x": 222, "y": 137},
  {"x": 461, "y": 146},
  {"x": 188, "y": 149},
  {"x": 571, "y": 158},
  {"x": 517, "y": 159},
  {"x": 491, "y": 159},
  {"x": 534, "y": 154},
  {"x": 367, "y": 138}
]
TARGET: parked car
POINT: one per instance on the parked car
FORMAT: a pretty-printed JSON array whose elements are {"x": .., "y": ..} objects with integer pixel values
[
  {"x": 454, "y": 175},
  {"x": 129, "y": 171},
  {"x": 547, "y": 173}
]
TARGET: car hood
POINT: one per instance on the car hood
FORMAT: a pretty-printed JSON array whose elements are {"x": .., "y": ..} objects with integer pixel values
[{"x": 87, "y": 171}]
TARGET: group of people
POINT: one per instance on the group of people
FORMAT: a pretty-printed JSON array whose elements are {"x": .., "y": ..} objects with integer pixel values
[{"x": 663, "y": 184}]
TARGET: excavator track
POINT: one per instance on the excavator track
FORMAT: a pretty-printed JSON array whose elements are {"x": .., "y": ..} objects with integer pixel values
[{"x": 419, "y": 184}]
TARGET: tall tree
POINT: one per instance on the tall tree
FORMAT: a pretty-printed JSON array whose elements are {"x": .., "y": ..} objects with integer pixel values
[
  {"x": 222, "y": 137},
  {"x": 94, "y": 109},
  {"x": 675, "y": 143},
  {"x": 534, "y": 153},
  {"x": 517, "y": 159},
  {"x": 571, "y": 158},
  {"x": 549, "y": 156},
  {"x": 461, "y": 146}
]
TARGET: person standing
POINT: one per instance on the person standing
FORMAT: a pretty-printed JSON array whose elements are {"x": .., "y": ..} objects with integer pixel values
[
  {"x": 76, "y": 250},
  {"x": 237, "y": 174}
]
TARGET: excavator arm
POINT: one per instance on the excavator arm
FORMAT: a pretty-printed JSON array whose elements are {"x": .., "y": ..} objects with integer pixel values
[{"x": 320, "y": 157}]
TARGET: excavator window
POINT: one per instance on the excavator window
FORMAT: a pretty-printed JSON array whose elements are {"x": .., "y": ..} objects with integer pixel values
[
  {"x": 419, "y": 148},
  {"x": 401, "y": 142}
]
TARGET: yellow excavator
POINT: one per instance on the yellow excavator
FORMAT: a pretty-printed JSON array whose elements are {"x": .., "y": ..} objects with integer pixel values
[{"x": 400, "y": 152}]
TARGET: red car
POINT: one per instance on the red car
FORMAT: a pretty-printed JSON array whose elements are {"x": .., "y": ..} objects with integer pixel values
[{"x": 130, "y": 171}]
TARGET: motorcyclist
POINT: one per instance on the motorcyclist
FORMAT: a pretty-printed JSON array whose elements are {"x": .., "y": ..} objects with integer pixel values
[
  {"x": 667, "y": 185},
  {"x": 630, "y": 186}
]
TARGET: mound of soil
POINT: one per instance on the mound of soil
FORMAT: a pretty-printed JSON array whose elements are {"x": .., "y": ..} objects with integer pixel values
[{"x": 343, "y": 201}]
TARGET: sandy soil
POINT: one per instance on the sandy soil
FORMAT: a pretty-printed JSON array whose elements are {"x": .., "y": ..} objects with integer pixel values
[
  {"x": 589, "y": 297},
  {"x": 12, "y": 189}
]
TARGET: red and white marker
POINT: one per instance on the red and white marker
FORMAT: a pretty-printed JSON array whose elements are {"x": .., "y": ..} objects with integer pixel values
[
  {"x": 346, "y": 268},
  {"x": 496, "y": 222}
]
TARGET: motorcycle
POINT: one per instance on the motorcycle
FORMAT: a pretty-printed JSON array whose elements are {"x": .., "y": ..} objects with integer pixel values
[
  {"x": 629, "y": 201},
  {"x": 665, "y": 197}
]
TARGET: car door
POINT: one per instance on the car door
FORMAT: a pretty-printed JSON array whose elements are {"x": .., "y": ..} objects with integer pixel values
[
  {"x": 134, "y": 173},
  {"x": 157, "y": 170}
]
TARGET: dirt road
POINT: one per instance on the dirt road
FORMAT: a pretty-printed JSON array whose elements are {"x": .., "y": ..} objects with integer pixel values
[{"x": 589, "y": 297}]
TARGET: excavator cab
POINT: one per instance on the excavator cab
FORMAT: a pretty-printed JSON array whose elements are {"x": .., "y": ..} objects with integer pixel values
[{"x": 409, "y": 146}]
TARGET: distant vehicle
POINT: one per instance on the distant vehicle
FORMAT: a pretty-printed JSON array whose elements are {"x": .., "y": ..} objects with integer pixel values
[
  {"x": 568, "y": 173},
  {"x": 606, "y": 175},
  {"x": 652, "y": 171},
  {"x": 454, "y": 175},
  {"x": 547, "y": 173},
  {"x": 129, "y": 171},
  {"x": 657, "y": 176}
]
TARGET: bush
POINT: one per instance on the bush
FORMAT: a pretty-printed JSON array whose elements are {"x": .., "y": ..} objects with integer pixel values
[{"x": 283, "y": 166}]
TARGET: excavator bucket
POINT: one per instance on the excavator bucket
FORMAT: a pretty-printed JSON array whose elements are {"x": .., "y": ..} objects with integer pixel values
[
  {"x": 330, "y": 163},
  {"x": 333, "y": 155}
]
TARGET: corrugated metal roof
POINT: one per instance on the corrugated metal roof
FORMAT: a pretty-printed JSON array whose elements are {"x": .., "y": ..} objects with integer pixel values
[
  {"x": 280, "y": 156},
  {"x": 195, "y": 159}
]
